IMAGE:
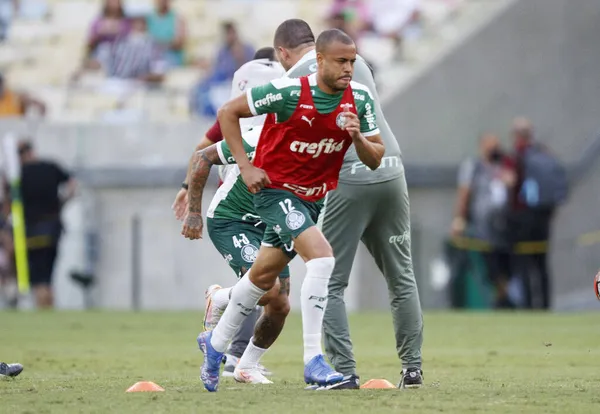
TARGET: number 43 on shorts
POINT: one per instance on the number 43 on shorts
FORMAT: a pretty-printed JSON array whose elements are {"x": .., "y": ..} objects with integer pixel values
[{"x": 241, "y": 241}]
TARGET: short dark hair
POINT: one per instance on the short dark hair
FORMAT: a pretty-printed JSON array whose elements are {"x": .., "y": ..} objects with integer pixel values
[
  {"x": 24, "y": 147},
  {"x": 265, "y": 53},
  {"x": 228, "y": 25},
  {"x": 292, "y": 33},
  {"x": 327, "y": 37}
]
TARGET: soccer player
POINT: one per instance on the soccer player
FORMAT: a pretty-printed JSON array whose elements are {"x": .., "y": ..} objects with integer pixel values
[
  {"x": 377, "y": 204},
  {"x": 312, "y": 122},
  {"x": 260, "y": 70},
  {"x": 382, "y": 223},
  {"x": 236, "y": 230}
]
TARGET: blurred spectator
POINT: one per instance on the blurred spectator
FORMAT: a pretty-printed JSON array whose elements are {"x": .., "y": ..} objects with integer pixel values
[
  {"x": 393, "y": 18},
  {"x": 107, "y": 27},
  {"x": 340, "y": 21},
  {"x": 232, "y": 54},
  {"x": 8, "y": 8},
  {"x": 541, "y": 186},
  {"x": 17, "y": 104},
  {"x": 8, "y": 278},
  {"x": 482, "y": 209},
  {"x": 45, "y": 187},
  {"x": 350, "y": 16},
  {"x": 210, "y": 93},
  {"x": 136, "y": 55},
  {"x": 169, "y": 31}
]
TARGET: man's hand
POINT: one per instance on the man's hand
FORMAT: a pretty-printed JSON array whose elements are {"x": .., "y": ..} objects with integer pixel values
[
  {"x": 192, "y": 226},
  {"x": 255, "y": 178},
  {"x": 352, "y": 124},
  {"x": 180, "y": 205}
]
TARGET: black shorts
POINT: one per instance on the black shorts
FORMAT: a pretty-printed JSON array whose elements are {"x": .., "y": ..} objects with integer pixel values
[
  {"x": 498, "y": 265},
  {"x": 42, "y": 249},
  {"x": 41, "y": 265}
]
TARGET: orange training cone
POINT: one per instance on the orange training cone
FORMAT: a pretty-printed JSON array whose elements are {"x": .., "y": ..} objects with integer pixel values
[
  {"x": 378, "y": 384},
  {"x": 145, "y": 386}
]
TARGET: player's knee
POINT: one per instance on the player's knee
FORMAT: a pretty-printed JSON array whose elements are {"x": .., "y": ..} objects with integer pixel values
[
  {"x": 271, "y": 295},
  {"x": 265, "y": 280},
  {"x": 320, "y": 268},
  {"x": 323, "y": 251},
  {"x": 283, "y": 308},
  {"x": 312, "y": 244},
  {"x": 279, "y": 306}
]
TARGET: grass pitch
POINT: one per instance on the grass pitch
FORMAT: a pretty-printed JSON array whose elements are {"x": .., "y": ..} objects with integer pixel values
[{"x": 480, "y": 362}]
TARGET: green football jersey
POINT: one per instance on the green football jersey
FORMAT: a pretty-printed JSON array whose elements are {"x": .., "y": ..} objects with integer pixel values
[{"x": 232, "y": 200}]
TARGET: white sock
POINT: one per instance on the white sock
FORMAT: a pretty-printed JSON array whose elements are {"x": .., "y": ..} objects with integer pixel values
[
  {"x": 313, "y": 300},
  {"x": 252, "y": 355},
  {"x": 244, "y": 297},
  {"x": 221, "y": 297}
]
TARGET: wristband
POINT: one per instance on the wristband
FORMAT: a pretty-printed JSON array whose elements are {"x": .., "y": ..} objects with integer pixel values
[{"x": 184, "y": 186}]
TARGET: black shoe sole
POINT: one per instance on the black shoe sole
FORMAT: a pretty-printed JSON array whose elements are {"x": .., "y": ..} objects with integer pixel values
[{"x": 345, "y": 384}]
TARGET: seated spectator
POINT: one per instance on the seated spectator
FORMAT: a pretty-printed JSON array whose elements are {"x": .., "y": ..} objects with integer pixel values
[
  {"x": 391, "y": 19},
  {"x": 230, "y": 57},
  {"x": 136, "y": 55},
  {"x": 482, "y": 209},
  {"x": 7, "y": 10},
  {"x": 17, "y": 104},
  {"x": 350, "y": 16},
  {"x": 339, "y": 21},
  {"x": 169, "y": 31},
  {"x": 110, "y": 25}
]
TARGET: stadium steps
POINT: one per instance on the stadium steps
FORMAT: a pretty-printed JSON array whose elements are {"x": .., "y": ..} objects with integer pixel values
[
  {"x": 42, "y": 54},
  {"x": 447, "y": 24}
]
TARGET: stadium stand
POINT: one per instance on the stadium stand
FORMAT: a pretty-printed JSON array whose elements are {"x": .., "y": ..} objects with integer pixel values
[{"x": 46, "y": 45}]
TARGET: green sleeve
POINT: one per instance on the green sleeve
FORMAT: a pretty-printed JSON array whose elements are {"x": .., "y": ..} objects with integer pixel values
[
  {"x": 268, "y": 98},
  {"x": 225, "y": 153},
  {"x": 368, "y": 119}
]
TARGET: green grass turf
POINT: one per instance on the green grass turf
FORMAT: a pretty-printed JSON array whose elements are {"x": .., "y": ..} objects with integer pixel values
[{"x": 480, "y": 362}]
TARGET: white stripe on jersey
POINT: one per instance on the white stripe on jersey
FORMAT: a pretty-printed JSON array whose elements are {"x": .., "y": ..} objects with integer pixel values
[{"x": 361, "y": 87}]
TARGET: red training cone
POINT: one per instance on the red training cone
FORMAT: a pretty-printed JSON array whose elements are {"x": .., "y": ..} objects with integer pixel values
[
  {"x": 145, "y": 386},
  {"x": 378, "y": 384}
]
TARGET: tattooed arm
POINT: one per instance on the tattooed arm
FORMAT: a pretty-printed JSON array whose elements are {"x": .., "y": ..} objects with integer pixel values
[
  {"x": 199, "y": 170},
  {"x": 179, "y": 206},
  {"x": 212, "y": 157}
]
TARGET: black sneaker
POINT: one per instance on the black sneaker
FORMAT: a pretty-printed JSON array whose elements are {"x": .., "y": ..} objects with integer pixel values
[
  {"x": 411, "y": 378},
  {"x": 350, "y": 382},
  {"x": 10, "y": 370}
]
